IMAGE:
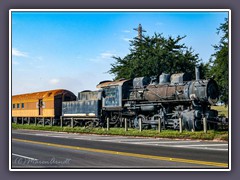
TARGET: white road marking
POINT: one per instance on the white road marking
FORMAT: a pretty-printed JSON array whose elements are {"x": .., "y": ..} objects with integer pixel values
[
  {"x": 108, "y": 140},
  {"x": 206, "y": 148},
  {"x": 163, "y": 142},
  {"x": 26, "y": 157},
  {"x": 60, "y": 136},
  {"x": 41, "y": 134},
  {"x": 85, "y": 138},
  {"x": 192, "y": 145}
]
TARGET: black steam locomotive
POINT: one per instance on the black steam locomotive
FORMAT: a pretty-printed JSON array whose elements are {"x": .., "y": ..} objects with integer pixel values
[{"x": 147, "y": 100}]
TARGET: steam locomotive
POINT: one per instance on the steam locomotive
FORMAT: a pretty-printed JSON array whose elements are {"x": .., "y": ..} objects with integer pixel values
[{"x": 145, "y": 99}]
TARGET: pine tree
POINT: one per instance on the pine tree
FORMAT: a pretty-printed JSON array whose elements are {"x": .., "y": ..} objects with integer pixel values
[
  {"x": 150, "y": 56},
  {"x": 219, "y": 62}
]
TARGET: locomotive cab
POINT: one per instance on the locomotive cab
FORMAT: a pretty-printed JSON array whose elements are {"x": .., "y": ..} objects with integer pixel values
[
  {"x": 114, "y": 96},
  {"x": 114, "y": 93}
]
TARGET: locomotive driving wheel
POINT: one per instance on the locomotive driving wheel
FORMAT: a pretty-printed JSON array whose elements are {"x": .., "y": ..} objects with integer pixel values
[
  {"x": 114, "y": 119},
  {"x": 91, "y": 124},
  {"x": 154, "y": 121},
  {"x": 141, "y": 118}
]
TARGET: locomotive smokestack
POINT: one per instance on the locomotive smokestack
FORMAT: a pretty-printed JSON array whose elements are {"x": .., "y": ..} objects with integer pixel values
[{"x": 197, "y": 73}]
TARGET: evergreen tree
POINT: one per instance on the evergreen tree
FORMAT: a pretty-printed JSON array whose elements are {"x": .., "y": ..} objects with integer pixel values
[
  {"x": 219, "y": 62},
  {"x": 150, "y": 56}
]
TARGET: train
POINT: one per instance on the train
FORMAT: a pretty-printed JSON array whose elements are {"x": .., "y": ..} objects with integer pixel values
[{"x": 145, "y": 100}]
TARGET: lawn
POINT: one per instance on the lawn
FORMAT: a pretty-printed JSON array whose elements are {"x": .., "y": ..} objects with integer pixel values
[{"x": 222, "y": 110}]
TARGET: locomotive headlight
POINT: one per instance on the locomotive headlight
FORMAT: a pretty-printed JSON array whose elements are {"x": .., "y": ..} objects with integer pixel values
[{"x": 212, "y": 92}]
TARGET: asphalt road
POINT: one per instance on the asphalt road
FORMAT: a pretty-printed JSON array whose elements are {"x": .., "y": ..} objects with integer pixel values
[{"x": 39, "y": 149}]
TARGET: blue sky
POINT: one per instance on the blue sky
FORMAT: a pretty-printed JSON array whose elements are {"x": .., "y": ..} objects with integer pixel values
[{"x": 73, "y": 50}]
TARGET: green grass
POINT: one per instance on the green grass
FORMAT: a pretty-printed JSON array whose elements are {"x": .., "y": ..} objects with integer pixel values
[
  {"x": 210, "y": 135},
  {"x": 222, "y": 110}
]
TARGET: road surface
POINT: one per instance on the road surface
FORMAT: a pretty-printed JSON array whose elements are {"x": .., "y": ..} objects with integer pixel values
[{"x": 41, "y": 149}]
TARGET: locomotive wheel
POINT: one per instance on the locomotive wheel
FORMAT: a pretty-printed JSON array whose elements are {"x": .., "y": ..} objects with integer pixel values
[
  {"x": 198, "y": 125},
  {"x": 156, "y": 118},
  {"x": 188, "y": 125},
  {"x": 212, "y": 126},
  {"x": 114, "y": 120},
  {"x": 90, "y": 124},
  {"x": 136, "y": 121}
]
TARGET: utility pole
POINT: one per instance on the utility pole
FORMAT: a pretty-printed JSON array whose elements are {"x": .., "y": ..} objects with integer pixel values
[{"x": 140, "y": 31}]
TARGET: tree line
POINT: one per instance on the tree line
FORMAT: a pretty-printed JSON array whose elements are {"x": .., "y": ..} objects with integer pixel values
[{"x": 151, "y": 56}]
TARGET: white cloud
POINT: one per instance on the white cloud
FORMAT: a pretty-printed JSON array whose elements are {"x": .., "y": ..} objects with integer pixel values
[
  {"x": 16, "y": 52},
  {"x": 106, "y": 55},
  {"x": 102, "y": 57},
  {"x": 15, "y": 62},
  {"x": 126, "y": 39},
  {"x": 54, "y": 81},
  {"x": 126, "y": 31}
]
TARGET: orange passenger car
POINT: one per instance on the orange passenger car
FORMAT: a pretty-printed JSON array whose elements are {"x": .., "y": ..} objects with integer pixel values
[{"x": 38, "y": 106}]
